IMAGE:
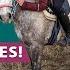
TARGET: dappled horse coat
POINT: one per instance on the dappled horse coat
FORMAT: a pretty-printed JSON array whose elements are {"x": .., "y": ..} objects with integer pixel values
[{"x": 35, "y": 29}]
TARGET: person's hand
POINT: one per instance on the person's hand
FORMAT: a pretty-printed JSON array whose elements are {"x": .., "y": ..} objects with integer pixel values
[{"x": 20, "y": 2}]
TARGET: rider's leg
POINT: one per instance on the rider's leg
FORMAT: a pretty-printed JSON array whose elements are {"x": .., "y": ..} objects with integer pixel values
[
  {"x": 53, "y": 38},
  {"x": 65, "y": 22}
]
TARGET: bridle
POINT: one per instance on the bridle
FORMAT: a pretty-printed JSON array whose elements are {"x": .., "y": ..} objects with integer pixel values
[{"x": 14, "y": 7}]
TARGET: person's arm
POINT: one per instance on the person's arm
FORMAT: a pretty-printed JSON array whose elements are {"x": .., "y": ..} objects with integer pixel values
[{"x": 35, "y": 6}]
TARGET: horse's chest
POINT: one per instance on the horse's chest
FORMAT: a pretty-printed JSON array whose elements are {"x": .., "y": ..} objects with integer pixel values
[{"x": 32, "y": 15}]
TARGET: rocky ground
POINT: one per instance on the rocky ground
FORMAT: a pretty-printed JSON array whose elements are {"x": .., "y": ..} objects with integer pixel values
[{"x": 53, "y": 58}]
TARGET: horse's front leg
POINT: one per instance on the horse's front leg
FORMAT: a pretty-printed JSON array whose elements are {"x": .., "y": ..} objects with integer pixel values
[{"x": 36, "y": 56}]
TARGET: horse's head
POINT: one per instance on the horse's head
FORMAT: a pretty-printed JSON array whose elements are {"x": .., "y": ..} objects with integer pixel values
[{"x": 7, "y": 11}]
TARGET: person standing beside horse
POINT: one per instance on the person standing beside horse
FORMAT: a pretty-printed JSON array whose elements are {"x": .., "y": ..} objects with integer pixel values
[{"x": 62, "y": 10}]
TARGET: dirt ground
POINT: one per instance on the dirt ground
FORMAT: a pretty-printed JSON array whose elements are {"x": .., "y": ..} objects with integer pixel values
[{"x": 53, "y": 58}]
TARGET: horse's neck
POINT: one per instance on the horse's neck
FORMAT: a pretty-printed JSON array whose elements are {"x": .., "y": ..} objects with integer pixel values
[{"x": 33, "y": 1}]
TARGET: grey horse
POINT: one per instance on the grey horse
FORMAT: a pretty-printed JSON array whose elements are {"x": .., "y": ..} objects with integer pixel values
[{"x": 34, "y": 29}]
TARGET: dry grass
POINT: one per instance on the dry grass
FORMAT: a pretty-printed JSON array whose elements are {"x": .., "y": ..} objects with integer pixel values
[{"x": 53, "y": 58}]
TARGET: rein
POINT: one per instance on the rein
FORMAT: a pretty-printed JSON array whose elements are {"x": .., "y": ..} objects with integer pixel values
[{"x": 14, "y": 7}]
